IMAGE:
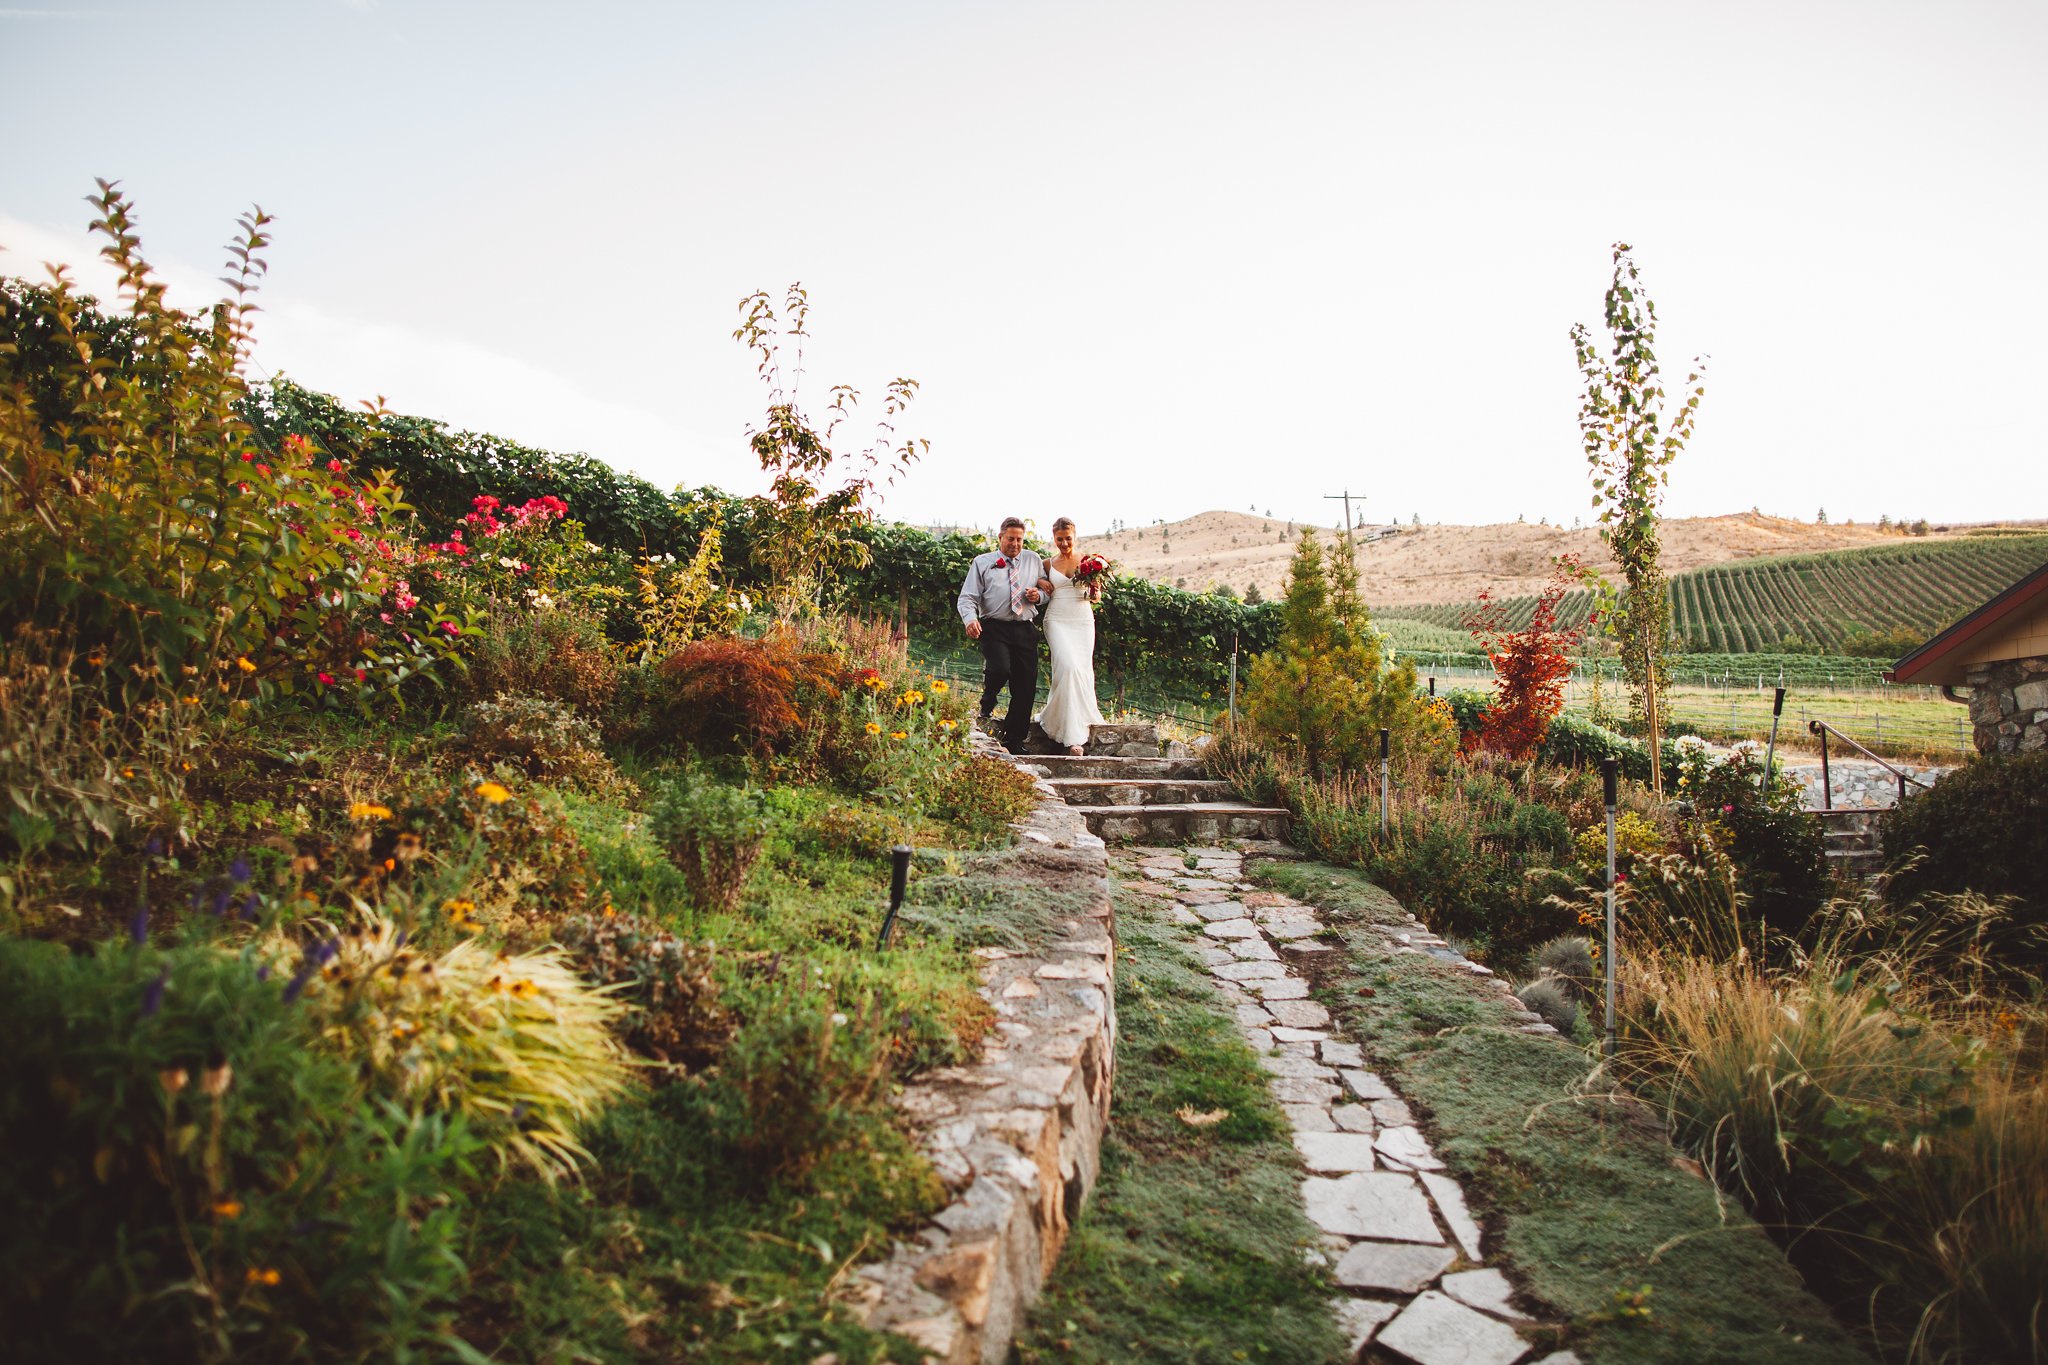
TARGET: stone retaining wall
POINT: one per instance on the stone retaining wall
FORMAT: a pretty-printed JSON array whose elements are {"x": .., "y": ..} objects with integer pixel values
[
  {"x": 1017, "y": 1134},
  {"x": 1856, "y": 783},
  {"x": 2009, "y": 705}
]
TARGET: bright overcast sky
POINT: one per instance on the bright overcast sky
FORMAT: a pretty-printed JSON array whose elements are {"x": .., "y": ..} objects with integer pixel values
[{"x": 1146, "y": 259}]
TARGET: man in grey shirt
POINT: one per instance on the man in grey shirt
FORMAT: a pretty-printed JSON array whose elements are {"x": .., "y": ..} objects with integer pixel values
[{"x": 999, "y": 606}]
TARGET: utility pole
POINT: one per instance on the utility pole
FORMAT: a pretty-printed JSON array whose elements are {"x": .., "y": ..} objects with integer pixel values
[{"x": 1346, "y": 496}]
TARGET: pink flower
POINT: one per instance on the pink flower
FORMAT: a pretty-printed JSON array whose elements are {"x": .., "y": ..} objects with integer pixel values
[
  {"x": 334, "y": 466},
  {"x": 451, "y": 628},
  {"x": 484, "y": 503},
  {"x": 1727, "y": 810},
  {"x": 326, "y": 679}
]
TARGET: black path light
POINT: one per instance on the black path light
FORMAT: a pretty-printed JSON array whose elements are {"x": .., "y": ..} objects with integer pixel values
[
  {"x": 1385, "y": 749},
  {"x": 1609, "y": 773},
  {"x": 1771, "y": 749},
  {"x": 899, "y": 877}
]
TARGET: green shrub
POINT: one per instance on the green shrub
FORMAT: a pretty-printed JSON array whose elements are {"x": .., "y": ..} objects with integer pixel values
[
  {"x": 190, "y": 1178},
  {"x": 1556, "y": 1002},
  {"x": 540, "y": 737},
  {"x": 678, "y": 1018},
  {"x": 554, "y": 653},
  {"x": 1982, "y": 828},
  {"x": 983, "y": 795},
  {"x": 140, "y": 517},
  {"x": 1568, "y": 960},
  {"x": 1778, "y": 847},
  {"x": 713, "y": 833}
]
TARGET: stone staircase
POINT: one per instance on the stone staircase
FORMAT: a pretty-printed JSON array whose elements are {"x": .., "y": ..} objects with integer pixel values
[
  {"x": 1852, "y": 841},
  {"x": 1127, "y": 788}
]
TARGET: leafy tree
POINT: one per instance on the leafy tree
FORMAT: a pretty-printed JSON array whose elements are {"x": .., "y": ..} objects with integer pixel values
[
  {"x": 808, "y": 530},
  {"x": 1325, "y": 689},
  {"x": 1530, "y": 665},
  {"x": 1630, "y": 450}
]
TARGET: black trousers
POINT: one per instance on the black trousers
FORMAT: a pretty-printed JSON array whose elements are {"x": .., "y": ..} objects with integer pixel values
[{"x": 1009, "y": 655}]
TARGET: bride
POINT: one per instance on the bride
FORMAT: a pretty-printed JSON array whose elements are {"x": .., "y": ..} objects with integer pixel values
[{"x": 1070, "y": 632}]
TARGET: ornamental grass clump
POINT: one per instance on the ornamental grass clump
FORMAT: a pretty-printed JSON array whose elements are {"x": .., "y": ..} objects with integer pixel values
[
  {"x": 516, "y": 1044},
  {"x": 542, "y": 738}
]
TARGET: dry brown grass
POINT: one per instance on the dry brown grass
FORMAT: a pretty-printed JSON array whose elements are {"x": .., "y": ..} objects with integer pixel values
[{"x": 1438, "y": 563}]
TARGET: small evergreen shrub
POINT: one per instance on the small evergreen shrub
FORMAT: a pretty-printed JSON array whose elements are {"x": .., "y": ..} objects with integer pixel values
[
  {"x": 984, "y": 795},
  {"x": 1981, "y": 828},
  {"x": 1567, "y": 959},
  {"x": 803, "y": 1072},
  {"x": 713, "y": 833},
  {"x": 728, "y": 695}
]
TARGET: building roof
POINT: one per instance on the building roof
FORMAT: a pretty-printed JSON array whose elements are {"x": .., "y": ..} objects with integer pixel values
[{"x": 1942, "y": 659}]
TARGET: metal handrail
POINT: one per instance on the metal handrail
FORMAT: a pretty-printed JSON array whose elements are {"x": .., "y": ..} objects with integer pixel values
[{"x": 1822, "y": 730}]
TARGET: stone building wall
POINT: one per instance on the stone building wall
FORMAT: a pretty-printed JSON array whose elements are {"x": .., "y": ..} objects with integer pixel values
[{"x": 2009, "y": 705}]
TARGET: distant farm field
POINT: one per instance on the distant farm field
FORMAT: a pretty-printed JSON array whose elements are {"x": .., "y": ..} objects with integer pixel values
[{"x": 1757, "y": 606}]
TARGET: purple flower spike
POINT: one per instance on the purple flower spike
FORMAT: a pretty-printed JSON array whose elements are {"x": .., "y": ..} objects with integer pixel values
[
  {"x": 248, "y": 910},
  {"x": 238, "y": 870},
  {"x": 220, "y": 901},
  {"x": 263, "y": 972},
  {"x": 153, "y": 993},
  {"x": 298, "y": 982},
  {"x": 138, "y": 926},
  {"x": 399, "y": 942},
  {"x": 324, "y": 954}
]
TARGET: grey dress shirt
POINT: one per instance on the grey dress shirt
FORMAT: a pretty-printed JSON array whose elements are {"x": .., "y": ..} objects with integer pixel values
[{"x": 986, "y": 592}]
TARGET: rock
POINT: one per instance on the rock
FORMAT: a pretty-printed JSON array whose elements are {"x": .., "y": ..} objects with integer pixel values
[
  {"x": 1335, "y": 1153},
  {"x": 1408, "y": 1147},
  {"x": 1299, "y": 1013},
  {"x": 1284, "y": 1034},
  {"x": 1487, "y": 1290},
  {"x": 1304, "y": 1067},
  {"x": 1343, "y": 1054},
  {"x": 1309, "y": 1118},
  {"x": 1360, "y": 1318},
  {"x": 1392, "y": 1113},
  {"x": 1302, "y": 1090},
  {"x": 1450, "y": 1202},
  {"x": 1385, "y": 1205},
  {"x": 1399, "y": 1267},
  {"x": 1215, "y": 910},
  {"x": 1251, "y": 971},
  {"x": 1281, "y": 988},
  {"x": 1352, "y": 1118},
  {"x": 1438, "y": 1330},
  {"x": 1231, "y": 928},
  {"x": 1367, "y": 1086}
]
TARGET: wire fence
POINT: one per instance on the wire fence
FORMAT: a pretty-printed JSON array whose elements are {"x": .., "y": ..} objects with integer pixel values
[{"x": 1722, "y": 708}]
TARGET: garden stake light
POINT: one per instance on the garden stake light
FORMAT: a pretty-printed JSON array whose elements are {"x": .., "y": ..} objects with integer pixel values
[
  {"x": 1608, "y": 768},
  {"x": 899, "y": 876},
  {"x": 1383, "y": 778},
  {"x": 1763, "y": 784}
]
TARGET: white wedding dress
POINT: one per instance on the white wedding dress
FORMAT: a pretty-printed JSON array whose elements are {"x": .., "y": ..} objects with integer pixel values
[{"x": 1070, "y": 633}]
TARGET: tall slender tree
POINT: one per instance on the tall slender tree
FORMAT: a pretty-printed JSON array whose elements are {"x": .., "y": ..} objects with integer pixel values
[{"x": 1630, "y": 448}]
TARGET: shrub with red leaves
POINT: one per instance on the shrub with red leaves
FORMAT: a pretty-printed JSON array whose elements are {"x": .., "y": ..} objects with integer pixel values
[{"x": 1530, "y": 666}]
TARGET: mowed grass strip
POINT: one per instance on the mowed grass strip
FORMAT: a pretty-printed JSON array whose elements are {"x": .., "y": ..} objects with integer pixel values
[
  {"x": 1194, "y": 1245},
  {"x": 1581, "y": 1199}
]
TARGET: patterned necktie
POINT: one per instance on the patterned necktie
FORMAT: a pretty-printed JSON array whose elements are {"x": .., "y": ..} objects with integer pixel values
[{"x": 1016, "y": 590}]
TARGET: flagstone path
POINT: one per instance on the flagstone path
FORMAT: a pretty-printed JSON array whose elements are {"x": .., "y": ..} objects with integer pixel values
[{"x": 1396, "y": 1231}]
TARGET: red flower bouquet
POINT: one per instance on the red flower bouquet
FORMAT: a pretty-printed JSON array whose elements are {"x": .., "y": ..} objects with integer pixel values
[{"x": 1090, "y": 574}]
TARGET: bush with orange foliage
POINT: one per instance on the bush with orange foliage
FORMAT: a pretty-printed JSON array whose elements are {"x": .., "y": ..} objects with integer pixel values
[
  {"x": 727, "y": 694},
  {"x": 1530, "y": 666}
]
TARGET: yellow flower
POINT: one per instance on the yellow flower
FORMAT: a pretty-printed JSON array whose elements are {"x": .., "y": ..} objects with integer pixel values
[
  {"x": 911, "y": 698},
  {"x": 945, "y": 725},
  {"x": 369, "y": 810},
  {"x": 227, "y": 1208},
  {"x": 939, "y": 687},
  {"x": 244, "y": 664},
  {"x": 874, "y": 727},
  {"x": 897, "y": 734},
  {"x": 264, "y": 1276},
  {"x": 494, "y": 793},
  {"x": 873, "y": 683}
]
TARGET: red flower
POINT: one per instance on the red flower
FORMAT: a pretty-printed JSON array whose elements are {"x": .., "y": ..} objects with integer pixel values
[
  {"x": 484, "y": 503},
  {"x": 326, "y": 679},
  {"x": 334, "y": 466},
  {"x": 451, "y": 628},
  {"x": 362, "y": 674},
  {"x": 1002, "y": 563}
]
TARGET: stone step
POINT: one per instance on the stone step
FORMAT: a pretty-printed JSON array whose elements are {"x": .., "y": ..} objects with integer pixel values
[
  {"x": 1189, "y": 822},
  {"x": 1138, "y": 791},
  {"x": 1125, "y": 739},
  {"x": 1065, "y": 766}
]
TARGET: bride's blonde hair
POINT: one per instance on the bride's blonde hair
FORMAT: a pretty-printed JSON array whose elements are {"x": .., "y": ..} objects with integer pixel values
[{"x": 1063, "y": 524}]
